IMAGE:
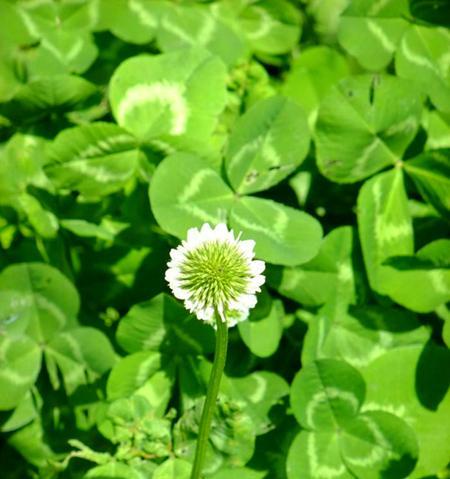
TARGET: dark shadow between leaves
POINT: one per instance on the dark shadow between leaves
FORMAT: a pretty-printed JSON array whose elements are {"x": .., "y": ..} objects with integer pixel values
[
  {"x": 399, "y": 468},
  {"x": 408, "y": 263},
  {"x": 432, "y": 375},
  {"x": 379, "y": 318}
]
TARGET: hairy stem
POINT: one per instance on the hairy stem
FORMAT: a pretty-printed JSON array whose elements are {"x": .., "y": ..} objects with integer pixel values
[{"x": 211, "y": 396}]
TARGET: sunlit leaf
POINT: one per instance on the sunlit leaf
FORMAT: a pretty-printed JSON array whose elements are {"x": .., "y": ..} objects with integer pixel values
[
  {"x": 186, "y": 192},
  {"x": 188, "y": 25},
  {"x": 312, "y": 74},
  {"x": 364, "y": 124},
  {"x": 420, "y": 397},
  {"x": 384, "y": 223},
  {"x": 283, "y": 234},
  {"x": 328, "y": 274},
  {"x": 20, "y": 359},
  {"x": 36, "y": 299},
  {"x": 95, "y": 159},
  {"x": 326, "y": 393},
  {"x": 421, "y": 58},
  {"x": 267, "y": 143},
  {"x": 381, "y": 23},
  {"x": 172, "y": 99},
  {"x": 262, "y": 335}
]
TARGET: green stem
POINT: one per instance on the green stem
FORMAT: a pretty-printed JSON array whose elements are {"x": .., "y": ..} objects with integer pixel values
[{"x": 220, "y": 357}]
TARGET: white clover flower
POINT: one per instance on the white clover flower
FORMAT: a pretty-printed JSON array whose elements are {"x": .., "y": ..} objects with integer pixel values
[{"x": 214, "y": 270}]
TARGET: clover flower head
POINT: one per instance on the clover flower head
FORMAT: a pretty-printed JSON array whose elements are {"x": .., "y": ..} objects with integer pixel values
[{"x": 212, "y": 270}]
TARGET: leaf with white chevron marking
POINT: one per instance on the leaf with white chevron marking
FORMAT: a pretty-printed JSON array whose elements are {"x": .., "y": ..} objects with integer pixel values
[
  {"x": 338, "y": 440},
  {"x": 21, "y": 362},
  {"x": 202, "y": 25},
  {"x": 365, "y": 123},
  {"x": 423, "y": 57},
  {"x": 186, "y": 192},
  {"x": 283, "y": 235},
  {"x": 384, "y": 223},
  {"x": 95, "y": 159},
  {"x": 171, "y": 100},
  {"x": 428, "y": 272},
  {"x": 267, "y": 143},
  {"x": 381, "y": 23}
]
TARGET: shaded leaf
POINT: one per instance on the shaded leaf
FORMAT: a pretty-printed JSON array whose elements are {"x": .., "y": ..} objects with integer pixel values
[
  {"x": 163, "y": 324},
  {"x": 431, "y": 174},
  {"x": 57, "y": 93},
  {"x": 81, "y": 355}
]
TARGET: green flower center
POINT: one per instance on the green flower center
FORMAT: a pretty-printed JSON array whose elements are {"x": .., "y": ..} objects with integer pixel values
[{"x": 215, "y": 273}]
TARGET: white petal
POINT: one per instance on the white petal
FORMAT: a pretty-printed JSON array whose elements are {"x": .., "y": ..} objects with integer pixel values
[
  {"x": 232, "y": 322},
  {"x": 258, "y": 281},
  {"x": 193, "y": 234},
  {"x": 206, "y": 232},
  {"x": 206, "y": 314},
  {"x": 181, "y": 293},
  {"x": 194, "y": 239},
  {"x": 172, "y": 274},
  {"x": 257, "y": 267},
  {"x": 176, "y": 254},
  {"x": 237, "y": 317},
  {"x": 220, "y": 310},
  {"x": 221, "y": 232},
  {"x": 231, "y": 237},
  {"x": 189, "y": 305},
  {"x": 246, "y": 247},
  {"x": 246, "y": 301},
  {"x": 233, "y": 305}
]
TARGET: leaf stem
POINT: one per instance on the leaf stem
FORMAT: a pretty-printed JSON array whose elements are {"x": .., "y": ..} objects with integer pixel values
[{"x": 220, "y": 356}]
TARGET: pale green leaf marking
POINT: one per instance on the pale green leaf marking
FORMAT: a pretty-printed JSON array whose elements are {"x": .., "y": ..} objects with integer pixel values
[
  {"x": 376, "y": 6},
  {"x": 143, "y": 15},
  {"x": 265, "y": 24},
  {"x": 169, "y": 94},
  {"x": 317, "y": 466},
  {"x": 379, "y": 34},
  {"x": 186, "y": 192},
  {"x": 201, "y": 36},
  {"x": 283, "y": 235},
  {"x": 417, "y": 59},
  {"x": 378, "y": 448},
  {"x": 324, "y": 396},
  {"x": 260, "y": 389}
]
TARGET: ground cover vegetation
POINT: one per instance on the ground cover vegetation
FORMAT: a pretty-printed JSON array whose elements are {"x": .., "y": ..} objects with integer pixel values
[{"x": 321, "y": 130}]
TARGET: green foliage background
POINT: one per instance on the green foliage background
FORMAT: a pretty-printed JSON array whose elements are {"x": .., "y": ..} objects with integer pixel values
[{"x": 321, "y": 130}]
